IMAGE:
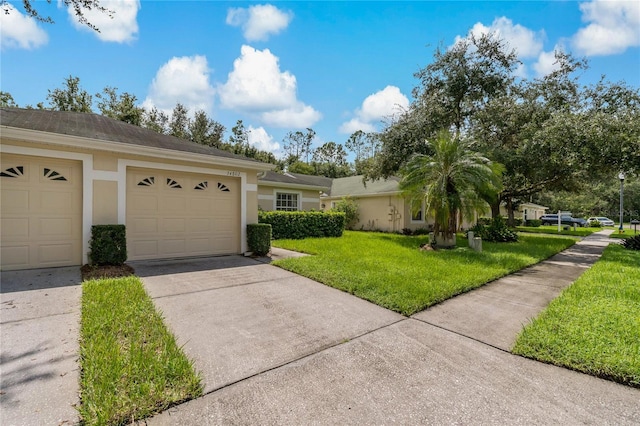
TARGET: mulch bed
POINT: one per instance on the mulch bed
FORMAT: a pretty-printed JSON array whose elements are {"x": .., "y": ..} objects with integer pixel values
[{"x": 94, "y": 272}]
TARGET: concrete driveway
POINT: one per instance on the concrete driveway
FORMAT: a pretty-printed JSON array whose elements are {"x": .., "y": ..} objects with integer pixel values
[
  {"x": 277, "y": 348},
  {"x": 39, "y": 320}
]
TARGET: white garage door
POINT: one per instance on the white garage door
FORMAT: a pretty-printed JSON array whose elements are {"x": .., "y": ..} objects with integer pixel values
[
  {"x": 175, "y": 214},
  {"x": 41, "y": 212}
]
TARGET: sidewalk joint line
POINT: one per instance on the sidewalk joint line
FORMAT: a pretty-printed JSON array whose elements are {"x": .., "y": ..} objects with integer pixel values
[{"x": 322, "y": 349}]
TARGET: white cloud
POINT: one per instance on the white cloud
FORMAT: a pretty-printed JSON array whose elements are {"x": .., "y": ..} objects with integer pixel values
[
  {"x": 297, "y": 116},
  {"x": 120, "y": 27},
  {"x": 257, "y": 86},
  {"x": 260, "y": 139},
  {"x": 19, "y": 31},
  {"x": 546, "y": 63},
  {"x": 259, "y": 21},
  {"x": 184, "y": 80},
  {"x": 613, "y": 27},
  {"x": 527, "y": 43},
  {"x": 385, "y": 104}
]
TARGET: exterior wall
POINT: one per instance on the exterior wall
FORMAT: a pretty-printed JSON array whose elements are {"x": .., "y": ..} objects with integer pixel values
[
  {"x": 382, "y": 213},
  {"x": 105, "y": 202},
  {"x": 104, "y": 178},
  {"x": 307, "y": 199}
]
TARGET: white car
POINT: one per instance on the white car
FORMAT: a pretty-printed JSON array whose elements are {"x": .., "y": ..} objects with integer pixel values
[{"x": 604, "y": 221}]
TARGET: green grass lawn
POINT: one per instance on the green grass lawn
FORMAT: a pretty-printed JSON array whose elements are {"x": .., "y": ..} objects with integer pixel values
[
  {"x": 391, "y": 271},
  {"x": 579, "y": 232},
  {"x": 130, "y": 365},
  {"x": 594, "y": 325},
  {"x": 627, "y": 234}
]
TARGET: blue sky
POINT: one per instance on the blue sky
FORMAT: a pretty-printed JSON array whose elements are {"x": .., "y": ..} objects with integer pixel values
[{"x": 283, "y": 66}]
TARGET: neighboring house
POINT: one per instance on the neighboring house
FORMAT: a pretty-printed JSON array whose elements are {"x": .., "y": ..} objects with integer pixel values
[
  {"x": 380, "y": 204},
  {"x": 62, "y": 172},
  {"x": 290, "y": 191},
  {"x": 525, "y": 211}
]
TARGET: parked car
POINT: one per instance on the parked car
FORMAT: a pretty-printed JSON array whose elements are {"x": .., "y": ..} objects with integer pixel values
[
  {"x": 552, "y": 219},
  {"x": 604, "y": 221}
]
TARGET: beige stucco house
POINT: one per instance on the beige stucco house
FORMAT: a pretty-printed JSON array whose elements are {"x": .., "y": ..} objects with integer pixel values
[
  {"x": 290, "y": 191},
  {"x": 524, "y": 211},
  {"x": 380, "y": 204},
  {"x": 62, "y": 172}
]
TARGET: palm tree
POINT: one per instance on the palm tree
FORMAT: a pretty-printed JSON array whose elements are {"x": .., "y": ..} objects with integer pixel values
[{"x": 452, "y": 181}]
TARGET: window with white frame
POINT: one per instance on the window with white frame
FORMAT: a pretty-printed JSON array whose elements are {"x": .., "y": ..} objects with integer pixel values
[
  {"x": 417, "y": 214},
  {"x": 287, "y": 201}
]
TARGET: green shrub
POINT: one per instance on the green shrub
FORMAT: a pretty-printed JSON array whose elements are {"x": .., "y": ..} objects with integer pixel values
[
  {"x": 496, "y": 232},
  {"x": 484, "y": 221},
  {"x": 631, "y": 243},
  {"x": 595, "y": 224},
  {"x": 350, "y": 209},
  {"x": 108, "y": 245},
  {"x": 259, "y": 238},
  {"x": 534, "y": 223},
  {"x": 299, "y": 225}
]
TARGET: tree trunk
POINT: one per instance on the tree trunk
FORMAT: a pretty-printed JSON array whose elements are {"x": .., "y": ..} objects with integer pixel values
[
  {"x": 495, "y": 209},
  {"x": 510, "y": 221}
]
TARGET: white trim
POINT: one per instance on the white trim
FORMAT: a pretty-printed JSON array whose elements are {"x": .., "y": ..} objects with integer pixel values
[
  {"x": 122, "y": 188},
  {"x": 311, "y": 200},
  {"x": 87, "y": 184},
  {"x": 275, "y": 198}
]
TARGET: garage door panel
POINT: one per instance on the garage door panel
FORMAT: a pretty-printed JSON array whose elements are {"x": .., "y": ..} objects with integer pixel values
[
  {"x": 50, "y": 254},
  {"x": 200, "y": 225},
  {"x": 15, "y": 257},
  {"x": 173, "y": 247},
  {"x": 148, "y": 203},
  {"x": 14, "y": 200},
  {"x": 172, "y": 204},
  {"x": 54, "y": 227},
  {"x": 144, "y": 249},
  {"x": 187, "y": 210},
  {"x": 174, "y": 225},
  {"x": 142, "y": 226},
  {"x": 41, "y": 212},
  {"x": 14, "y": 229},
  {"x": 200, "y": 205}
]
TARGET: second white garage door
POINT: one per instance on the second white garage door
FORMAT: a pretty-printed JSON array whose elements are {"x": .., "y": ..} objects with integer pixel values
[{"x": 175, "y": 214}]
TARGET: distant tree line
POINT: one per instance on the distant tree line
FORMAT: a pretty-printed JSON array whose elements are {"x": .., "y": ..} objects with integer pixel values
[{"x": 300, "y": 156}]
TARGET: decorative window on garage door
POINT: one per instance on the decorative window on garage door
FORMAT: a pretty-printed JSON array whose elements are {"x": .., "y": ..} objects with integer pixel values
[
  {"x": 173, "y": 184},
  {"x": 150, "y": 181},
  {"x": 53, "y": 175},
  {"x": 13, "y": 172}
]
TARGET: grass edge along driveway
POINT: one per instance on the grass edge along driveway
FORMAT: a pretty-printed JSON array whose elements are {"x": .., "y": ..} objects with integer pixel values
[
  {"x": 130, "y": 364},
  {"x": 594, "y": 325},
  {"x": 390, "y": 270}
]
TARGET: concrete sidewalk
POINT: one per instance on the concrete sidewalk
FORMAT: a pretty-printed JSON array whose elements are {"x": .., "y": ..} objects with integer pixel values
[
  {"x": 282, "y": 349},
  {"x": 39, "y": 323},
  {"x": 495, "y": 313}
]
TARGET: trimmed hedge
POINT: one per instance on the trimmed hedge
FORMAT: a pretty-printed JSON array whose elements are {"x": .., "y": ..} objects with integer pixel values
[
  {"x": 534, "y": 223},
  {"x": 299, "y": 225},
  {"x": 108, "y": 245},
  {"x": 259, "y": 238}
]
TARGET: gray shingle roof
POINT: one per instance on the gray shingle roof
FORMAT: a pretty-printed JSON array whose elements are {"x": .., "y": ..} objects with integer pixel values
[
  {"x": 353, "y": 186},
  {"x": 94, "y": 126},
  {"x": 297, "y": 179}
]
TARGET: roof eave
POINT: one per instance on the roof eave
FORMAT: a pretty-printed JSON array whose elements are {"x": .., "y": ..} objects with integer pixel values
[
  {"x": 63, "y": 140},
  {"x": 291, "y": 185}
]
